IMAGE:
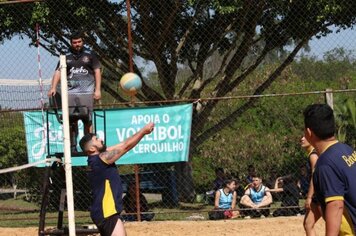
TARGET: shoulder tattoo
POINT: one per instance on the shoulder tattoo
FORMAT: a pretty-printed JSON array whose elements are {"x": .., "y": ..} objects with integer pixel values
[{"x": 109, "y": 155}]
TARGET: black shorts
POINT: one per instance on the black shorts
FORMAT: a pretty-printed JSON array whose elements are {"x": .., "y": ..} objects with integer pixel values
[
  {"x": 81, "y": 107},
  {"x": 108, "y": 225}
]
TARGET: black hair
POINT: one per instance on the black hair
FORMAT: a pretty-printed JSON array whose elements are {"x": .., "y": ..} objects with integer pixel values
[
  {"x": 228, "y": 181},
  {"x": 319, "y": 118},
  {"x": 251, "y": 167},
  {"x": 85, "y": 139},
  {"x": 219, "y": 169},
  {"x": 256, "y": 175},
  {"x": 76, "y": 35}
]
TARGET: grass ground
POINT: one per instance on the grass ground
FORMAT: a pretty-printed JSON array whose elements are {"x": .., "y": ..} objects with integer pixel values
[{"x": 21, "y": 213}]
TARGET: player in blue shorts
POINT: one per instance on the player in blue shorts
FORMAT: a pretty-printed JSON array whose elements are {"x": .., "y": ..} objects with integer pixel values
[
  {"x": 105, "y": 180},
  {"x": 335, "y": 171}
]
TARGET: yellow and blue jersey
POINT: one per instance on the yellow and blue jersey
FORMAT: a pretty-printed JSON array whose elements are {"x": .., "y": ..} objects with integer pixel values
[
  {"x": 106, "y": 189},
  {"x": 334, "y": 177}
]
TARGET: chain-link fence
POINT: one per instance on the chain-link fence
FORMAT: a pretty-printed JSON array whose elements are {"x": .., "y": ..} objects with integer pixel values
[{"x": 248, "y": 67}]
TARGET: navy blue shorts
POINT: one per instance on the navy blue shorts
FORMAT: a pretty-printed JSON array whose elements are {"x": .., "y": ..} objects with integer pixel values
[{"x": 108, "y": 225}]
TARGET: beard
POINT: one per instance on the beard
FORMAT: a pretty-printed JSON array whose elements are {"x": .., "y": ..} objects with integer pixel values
[
  {"x": 102, "y": 148},
  {"x": 77, "y": 51}
]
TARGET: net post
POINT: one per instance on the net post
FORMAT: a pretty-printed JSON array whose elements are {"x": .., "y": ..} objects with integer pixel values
[
  {"x": 44, "y": 203},
  {"x": 329, "y": 97},
  {"x": 66, "y": 148}
]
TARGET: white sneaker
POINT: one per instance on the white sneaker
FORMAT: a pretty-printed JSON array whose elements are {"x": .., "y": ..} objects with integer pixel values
[{"x": 247, "y": 217}]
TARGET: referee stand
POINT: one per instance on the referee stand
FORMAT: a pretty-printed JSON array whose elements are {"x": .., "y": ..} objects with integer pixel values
[{"x": 57, "y": 170}]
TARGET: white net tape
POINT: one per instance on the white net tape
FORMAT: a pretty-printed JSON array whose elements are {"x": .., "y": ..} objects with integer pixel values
[
  {"x": 23, "y": 82},
  {"x": 16, "y": 168}
]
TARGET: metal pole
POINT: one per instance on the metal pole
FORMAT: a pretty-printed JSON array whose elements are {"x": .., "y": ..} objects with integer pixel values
[
  {"x": 136, "y": 168},
  {"x": 137, "y": 182},
  {"x": 129, "y": 36}
]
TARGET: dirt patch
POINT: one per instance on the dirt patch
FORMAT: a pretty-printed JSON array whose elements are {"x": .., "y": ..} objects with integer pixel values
[{"x": 292, "y": 226}]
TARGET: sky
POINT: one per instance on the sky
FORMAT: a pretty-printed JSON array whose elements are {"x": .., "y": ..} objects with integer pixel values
[
  {"x": 345, "y": 39},
  {"x": 20, "y": 61}
]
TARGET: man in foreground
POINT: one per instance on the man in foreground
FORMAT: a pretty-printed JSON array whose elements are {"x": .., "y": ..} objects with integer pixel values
[
  {"x": 335, "y": 171},
  {"x": 105, "y": 180}
]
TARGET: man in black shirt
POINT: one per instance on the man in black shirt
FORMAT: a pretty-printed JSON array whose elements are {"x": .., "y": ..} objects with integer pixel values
[{"x": 84, "y": 85}]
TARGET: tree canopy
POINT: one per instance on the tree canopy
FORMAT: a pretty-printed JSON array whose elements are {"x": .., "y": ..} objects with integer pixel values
[
  {"x": 220, "y": 45},
  {"x": 171, "y": 34}
]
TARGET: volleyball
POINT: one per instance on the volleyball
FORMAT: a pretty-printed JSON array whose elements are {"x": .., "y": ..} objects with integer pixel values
[{"x": 131, "y": 83}]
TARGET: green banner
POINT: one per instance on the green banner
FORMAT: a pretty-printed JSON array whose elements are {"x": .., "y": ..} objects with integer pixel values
[{"x": 169, "y": 142}]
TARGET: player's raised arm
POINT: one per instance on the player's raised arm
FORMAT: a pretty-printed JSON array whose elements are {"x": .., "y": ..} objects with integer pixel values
[{"x": 113, "y": 153}]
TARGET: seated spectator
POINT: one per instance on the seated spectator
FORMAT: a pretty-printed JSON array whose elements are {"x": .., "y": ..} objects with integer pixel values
[
  {"x": 129, "y": 204},
  {"x": 289, "y": 196},
  {"x": 256, "y": 197},
  {"x": 240, "y": 191},
  {"x": 225, "y": 202},
  {"x": 270, "y": 182},
  {"x": 304, "y": 180},
  {"x": 251, "y": 171},
  {"x": 218, "y": 183}
]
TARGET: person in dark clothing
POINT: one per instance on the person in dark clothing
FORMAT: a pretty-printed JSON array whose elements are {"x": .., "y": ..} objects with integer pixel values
[
  {"x": 289, "y": 196},
  {"x": 84, "y": 85},
  {"x": 218, "y": 183},
  {"x": 129, "y": 202},
  {"x": 105, "y": 181},
  {"x": 334, "y": 173},
  {"x": 304, "y": 181},
  {"x": 251, "y": 171}
]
